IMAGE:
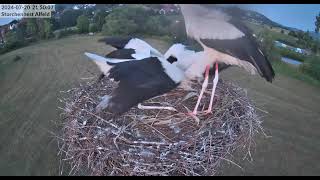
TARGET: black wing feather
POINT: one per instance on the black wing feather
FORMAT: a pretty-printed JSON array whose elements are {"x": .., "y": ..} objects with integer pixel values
[
  {"x": 121, "y": 54},
  {"x": 138, "y": 81},
  {"x": 116, "y": 42},
  {"x": 243, "y": 48}
]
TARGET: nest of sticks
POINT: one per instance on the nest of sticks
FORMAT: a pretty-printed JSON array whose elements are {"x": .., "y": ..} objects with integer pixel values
[{"x": 156, "y": 142}]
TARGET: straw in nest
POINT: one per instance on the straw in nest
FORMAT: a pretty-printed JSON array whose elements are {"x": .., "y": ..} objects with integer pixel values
[{"x": 156, "y": 142}]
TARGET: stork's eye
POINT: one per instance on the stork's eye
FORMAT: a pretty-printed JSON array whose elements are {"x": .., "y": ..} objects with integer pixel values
[{"x": 172, "y": 59}]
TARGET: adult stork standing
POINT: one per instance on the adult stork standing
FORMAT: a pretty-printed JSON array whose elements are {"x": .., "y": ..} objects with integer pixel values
[{"x": 224, "y": 39}]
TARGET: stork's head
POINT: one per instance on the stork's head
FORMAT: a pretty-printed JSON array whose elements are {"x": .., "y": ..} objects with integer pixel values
[{"x": 178, "y": 54}]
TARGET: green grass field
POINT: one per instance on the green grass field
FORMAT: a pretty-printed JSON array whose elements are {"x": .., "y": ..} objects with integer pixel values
[
  {"x": 292, "y": 120},
  {"x": 29, "y": 103}
]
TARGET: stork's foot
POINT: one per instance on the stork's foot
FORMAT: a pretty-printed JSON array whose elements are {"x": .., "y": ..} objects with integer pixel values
[
  {"x": 208, "y": 111},
  {"x": 192, "y": 113}
]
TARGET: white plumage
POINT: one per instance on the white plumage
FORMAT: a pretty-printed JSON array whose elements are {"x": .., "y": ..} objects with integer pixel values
[
  {"x": 139, "y": 79},
  {"x": 143, "y": 49},
  {"x": 202, "y": 23},
  {"x": 224, "y": 39}
]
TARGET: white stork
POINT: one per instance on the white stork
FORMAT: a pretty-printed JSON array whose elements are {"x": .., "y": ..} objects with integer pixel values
[
  {"x": 179, "y": 55},
  {"x": 224, "y": 39},
  {"x": 139, "y": 78},
  {"x": 127, "y": 49}
]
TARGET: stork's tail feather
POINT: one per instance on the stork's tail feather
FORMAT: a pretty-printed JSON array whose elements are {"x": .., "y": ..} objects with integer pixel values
[
  {"x": 103, "y": 63},
  {"x": 100, "y": 61},
  {"x": 96, "y": 57}
]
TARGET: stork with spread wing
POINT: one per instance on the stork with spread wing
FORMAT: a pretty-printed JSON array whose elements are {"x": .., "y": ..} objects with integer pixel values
[{"x": 224, "y": 39}]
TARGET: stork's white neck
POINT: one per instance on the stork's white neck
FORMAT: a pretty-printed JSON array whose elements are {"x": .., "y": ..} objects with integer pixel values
[{"x": 175, "y": 73}]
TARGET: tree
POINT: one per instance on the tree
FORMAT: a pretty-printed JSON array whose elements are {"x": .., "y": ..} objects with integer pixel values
[
  {"x": 292, "y": 33},
  {"x": 126, "y": 20},
  {"x": 315, "y": 47},
  {"x": 99, "y": 19},
  {"x": 69, "y": 18},
  {"x": 12, "y": 40},
  {"x": 32, "y": 28},
  {"x": 93, "y": 28},
  {"x": 152, "y": 26},
  {"x": 59, "y": 7},
  {"x": 47, "y": 29},
  {"x": 105, "y": 6},
  {"x": 157, "y": 25},
  {"x": 136, "y": 13},
  {"x": 282, "y": 31},
  {"x": 21, "y": 31},
  {"x": 83, "y": 24},
  {"x": 119, "y": 27},
  {"x": 88, "y": 12},
  {"x": 55, "y": 24},
  {"x": 317, "y": 23},
  {"x": 41, "y": 33}
]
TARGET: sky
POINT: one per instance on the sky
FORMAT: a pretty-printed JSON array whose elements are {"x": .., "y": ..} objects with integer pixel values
[
  {"x": 5, "y": 20},
  {"x": 301, "y": 16}
]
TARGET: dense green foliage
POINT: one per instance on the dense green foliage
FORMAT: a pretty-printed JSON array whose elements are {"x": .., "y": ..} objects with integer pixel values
[
  {"x": 93, "y": 28},
  {"x": 69, "y": 18},
  {"x": 83, "y": 24},
  {"x": 124, "y": 21},
  {"x": 99, "y": 19},
  {"x": 311, "y": 66},
  {"x": 135, "y": 19},
  {"x": 45, "y": 29}
]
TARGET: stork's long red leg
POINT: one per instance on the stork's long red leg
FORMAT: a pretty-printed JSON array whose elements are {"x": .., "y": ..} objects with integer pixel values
[
  {"x": 215, "y": 82},
  {"x": 204, "y": 86}
]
